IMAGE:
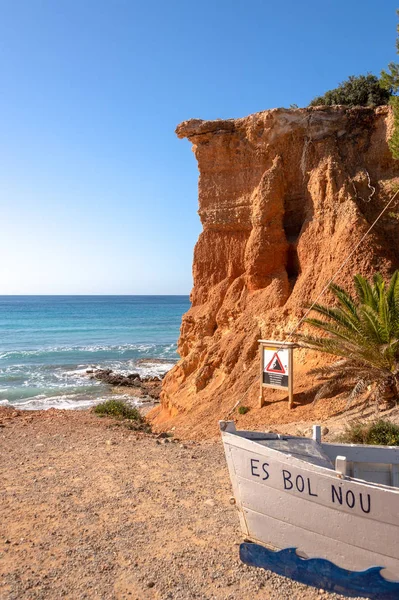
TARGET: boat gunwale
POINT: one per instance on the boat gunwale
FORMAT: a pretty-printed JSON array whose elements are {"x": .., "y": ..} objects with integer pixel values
[{"x": 301, "y": 463}]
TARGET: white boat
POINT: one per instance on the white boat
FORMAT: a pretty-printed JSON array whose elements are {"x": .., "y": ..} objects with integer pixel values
[{"x": 323, "y": 514}]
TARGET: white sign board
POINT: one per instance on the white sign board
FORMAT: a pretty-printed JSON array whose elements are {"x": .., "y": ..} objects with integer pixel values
[{"x": 275, "y": 367}]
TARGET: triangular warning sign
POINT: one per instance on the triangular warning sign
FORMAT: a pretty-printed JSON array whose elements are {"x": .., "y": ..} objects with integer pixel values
[{"x": 275, "y": 365}]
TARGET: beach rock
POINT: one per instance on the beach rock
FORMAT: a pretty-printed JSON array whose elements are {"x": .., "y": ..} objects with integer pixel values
[
  {"x": 284, "y": 196},
  {"x": 150, "y": 386},
  {"x": 133, "y": 376}
]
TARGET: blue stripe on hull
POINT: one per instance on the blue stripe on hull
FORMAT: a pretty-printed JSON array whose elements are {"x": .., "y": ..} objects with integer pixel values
[{"x": 321, "y": 573}]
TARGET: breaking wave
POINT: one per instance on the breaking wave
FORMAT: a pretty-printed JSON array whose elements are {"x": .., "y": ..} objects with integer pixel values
[
  {"x": 155, "y": 350},
  {"x": 47, "y": 343}
]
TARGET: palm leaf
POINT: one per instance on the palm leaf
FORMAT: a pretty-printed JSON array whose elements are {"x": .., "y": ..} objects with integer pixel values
[
  {"x": 365, "y": 291},
  {"x": 364, "y": 333},
  {"x": 345, "y": 299}
]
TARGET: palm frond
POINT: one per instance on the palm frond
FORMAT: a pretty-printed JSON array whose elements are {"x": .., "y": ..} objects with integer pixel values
[
  {"x": 370, "y": 319},
  {"x": 364, "y": 291},
  {"x": 393, "y": 290},
  {"x": 363, "y": 332},
  {"x": 344, "y": 298}
]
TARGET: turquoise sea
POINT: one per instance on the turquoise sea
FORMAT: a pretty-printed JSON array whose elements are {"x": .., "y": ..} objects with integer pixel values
[{"x": 48, "y": 342}]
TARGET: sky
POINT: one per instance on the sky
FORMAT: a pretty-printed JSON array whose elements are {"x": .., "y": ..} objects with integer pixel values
[{"x": 97, "y": 194}]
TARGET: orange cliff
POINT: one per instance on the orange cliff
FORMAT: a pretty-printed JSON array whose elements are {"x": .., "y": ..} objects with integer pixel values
[{"x": 284, "y": 195}]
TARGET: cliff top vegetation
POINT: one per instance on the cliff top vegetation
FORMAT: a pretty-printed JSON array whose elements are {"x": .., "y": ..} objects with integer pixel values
[{"x": 364, "y": 90}]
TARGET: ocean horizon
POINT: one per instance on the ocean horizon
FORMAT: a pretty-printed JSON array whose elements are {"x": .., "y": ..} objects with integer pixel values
[{"x": 47, "y": 342}]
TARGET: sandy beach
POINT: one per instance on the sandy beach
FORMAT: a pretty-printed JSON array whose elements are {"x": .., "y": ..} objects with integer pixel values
[{"x": 93, "y": 510}]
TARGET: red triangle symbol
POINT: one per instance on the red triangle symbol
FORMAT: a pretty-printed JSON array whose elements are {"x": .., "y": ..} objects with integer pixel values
[{"x": 275, "y": 365}]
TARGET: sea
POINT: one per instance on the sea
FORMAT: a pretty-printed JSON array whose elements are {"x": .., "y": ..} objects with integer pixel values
[{"x": 47, "y": 343}]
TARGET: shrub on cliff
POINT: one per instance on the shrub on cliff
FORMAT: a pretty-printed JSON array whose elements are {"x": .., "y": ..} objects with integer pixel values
[
  {"x": 380, "y": 433},
  {"x": 393, "y": 141},
  {"x": 363, "y": 90},
  {"x": 390, "y": 79},
  {"x": 364, "y": 332}
]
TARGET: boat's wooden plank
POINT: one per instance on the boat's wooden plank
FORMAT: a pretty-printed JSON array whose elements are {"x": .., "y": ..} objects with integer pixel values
[
  {"x": 256, "y": 435},
  {"x": 375, "y": 536},
  {"x": 376, "y": 472},
  {"x": 315, "y": 484},
  {"x": 236, "y": 490},
  {"x": 267, "y": 530},
  {"x": 395, "y": 475},
  {"x": 359, "y": 453}
]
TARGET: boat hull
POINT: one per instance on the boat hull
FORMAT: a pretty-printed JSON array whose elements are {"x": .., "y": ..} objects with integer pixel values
[{"x": 286, "y": 503}]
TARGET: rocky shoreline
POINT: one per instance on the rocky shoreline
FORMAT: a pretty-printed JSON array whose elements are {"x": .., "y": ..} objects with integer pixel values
[{"x": 143, "y": 386}]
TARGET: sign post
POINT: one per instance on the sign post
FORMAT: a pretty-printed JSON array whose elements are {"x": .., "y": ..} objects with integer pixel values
[{"x": 277, "y": 367}]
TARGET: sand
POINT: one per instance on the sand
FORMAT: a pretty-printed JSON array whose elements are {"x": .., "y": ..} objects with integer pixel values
[{"x": 90, "y": 509}]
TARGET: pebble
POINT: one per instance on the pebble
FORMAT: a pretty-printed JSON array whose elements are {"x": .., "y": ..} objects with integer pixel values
[{"x": 210, "y": 502}]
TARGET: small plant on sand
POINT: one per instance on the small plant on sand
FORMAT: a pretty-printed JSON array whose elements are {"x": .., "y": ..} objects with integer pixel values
[
  {"x": 243, "y": 410},
  {"x": 118, "y": 409},
  {"x": 363, "y": 331},
  {"x": 380, "y": 433}
]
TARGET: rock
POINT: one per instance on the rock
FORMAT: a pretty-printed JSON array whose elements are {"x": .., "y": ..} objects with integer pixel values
[
  {"x": 149, "y": 385},
  {"x": 210, "y": 502},
  {"x": 283, "y": 199},
  {"x": 325, "y": 431}
]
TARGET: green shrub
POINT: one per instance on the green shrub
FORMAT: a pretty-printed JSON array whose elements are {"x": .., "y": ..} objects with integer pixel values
[
  {"x": 378, "y": 433},
  {"x": 390, "y": 79},
  {"x": 361, "y": 90},
  {"x": 119, "y": 409},
  {"x": 243, "y": 410},
  {"x": 394, "y": 139}
]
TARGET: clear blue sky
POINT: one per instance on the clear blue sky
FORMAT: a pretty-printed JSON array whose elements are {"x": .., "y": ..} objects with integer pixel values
[{"x": 97, "y": 195}]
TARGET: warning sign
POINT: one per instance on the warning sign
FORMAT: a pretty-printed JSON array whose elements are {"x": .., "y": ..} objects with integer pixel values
[{"x": 275, "y": 367}]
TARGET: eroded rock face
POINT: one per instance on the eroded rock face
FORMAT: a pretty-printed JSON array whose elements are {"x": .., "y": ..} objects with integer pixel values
[{"x": 284, "y": 195}]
